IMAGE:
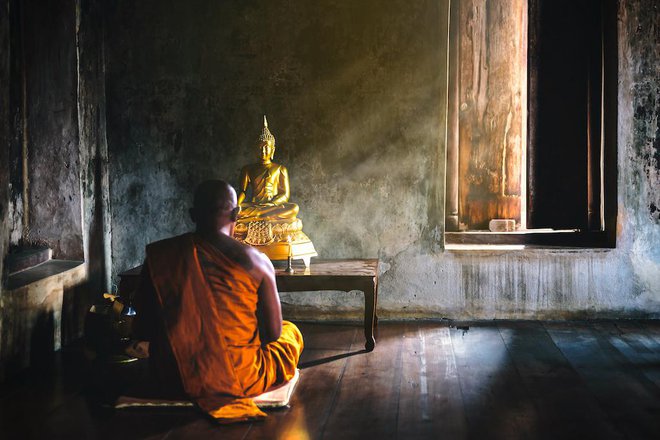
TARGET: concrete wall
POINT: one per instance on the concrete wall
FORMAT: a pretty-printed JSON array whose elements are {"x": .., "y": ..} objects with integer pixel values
[
  {"x": 639, "y": 145},
  {"x": 354, "y": 92},
  {"x": 93, "y": 148},
  {"x": 53, "y": 160},
  {"x": 36, "y": 316},
  {"x": 52, "y": 127}
]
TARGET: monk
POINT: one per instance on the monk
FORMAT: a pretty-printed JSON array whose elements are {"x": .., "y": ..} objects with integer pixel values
[{"x": 209, "y": 309}]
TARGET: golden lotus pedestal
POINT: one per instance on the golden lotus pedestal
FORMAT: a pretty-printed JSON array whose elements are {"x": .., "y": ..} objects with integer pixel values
[
  {"x": 278, "y": 239},
  {"x": 301, "y": 249}
]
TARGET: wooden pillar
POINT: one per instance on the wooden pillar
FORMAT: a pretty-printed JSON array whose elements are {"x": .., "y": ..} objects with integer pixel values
[
  {"x": 451, "y": 204},
  {"x": 594, "y": 119},
  {"x": 492, "y": 71},
  {"x": 5, "y": 132}
]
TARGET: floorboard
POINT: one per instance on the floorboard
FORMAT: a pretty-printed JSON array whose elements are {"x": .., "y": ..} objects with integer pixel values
[
  {"x": 369, "y": 387},
  {"x": 632, "y": 406},
  {"x": 639, "y": 351},
  {"x": 425, "y": 380},
  {"x": 496, "y": 402},
  {"x": 564, "y": 405},
  {"x": 430, "y": 402}
]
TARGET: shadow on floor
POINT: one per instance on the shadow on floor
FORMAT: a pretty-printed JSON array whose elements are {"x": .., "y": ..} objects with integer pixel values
[{"x": 327, "y": 359}]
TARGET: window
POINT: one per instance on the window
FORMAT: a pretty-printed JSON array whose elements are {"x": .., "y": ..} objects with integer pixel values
[{"x": 532, "y": 123}]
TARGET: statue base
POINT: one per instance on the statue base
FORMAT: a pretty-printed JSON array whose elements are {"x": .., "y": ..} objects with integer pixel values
[
  {"x": 268, "y": 238},
  {"x": 302, "y": 248}
]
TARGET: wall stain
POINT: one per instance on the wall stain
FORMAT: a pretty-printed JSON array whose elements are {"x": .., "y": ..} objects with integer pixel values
[{"x": 354, "y": 106}]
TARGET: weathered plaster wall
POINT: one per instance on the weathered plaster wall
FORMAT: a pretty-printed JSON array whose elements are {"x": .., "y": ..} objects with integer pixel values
[
  {"x": 52, "y": 127},
  {"x": 15, "y": 120},
  {"x": 353, "y": 95},
  {"x": 5, "y": 137},
  {"x": 37, "y": 320},
  {"x": 93, "y": 147},
  {"x": 354, "y": 92},
  {"x": 639, "y": 142},
  {"x": 52, "y": 106}
]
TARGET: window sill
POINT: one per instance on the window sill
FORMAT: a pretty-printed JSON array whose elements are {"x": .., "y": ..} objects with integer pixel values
[{"x": 530, "y": 239}]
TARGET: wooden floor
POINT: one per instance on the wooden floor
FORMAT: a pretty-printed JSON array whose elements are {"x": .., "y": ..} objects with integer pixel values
[{"x": 424, "y": 380}]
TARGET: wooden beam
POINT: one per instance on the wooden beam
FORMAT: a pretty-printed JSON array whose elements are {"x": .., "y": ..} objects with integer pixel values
[{"x": 492, "y": 81}]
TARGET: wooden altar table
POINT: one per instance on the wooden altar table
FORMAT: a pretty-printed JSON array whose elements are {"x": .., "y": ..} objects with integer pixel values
[{"x": 339, "y": 275}]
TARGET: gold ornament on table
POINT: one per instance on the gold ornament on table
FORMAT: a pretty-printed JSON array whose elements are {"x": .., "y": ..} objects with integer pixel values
[
  {"x": 268, "y": 220},
  {"x": 289, "y": 267}
]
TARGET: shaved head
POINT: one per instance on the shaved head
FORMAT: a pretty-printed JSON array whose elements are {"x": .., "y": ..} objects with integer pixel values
[
  {"x": 214, "y": 194},
  {"x": 214, "y": 207}
]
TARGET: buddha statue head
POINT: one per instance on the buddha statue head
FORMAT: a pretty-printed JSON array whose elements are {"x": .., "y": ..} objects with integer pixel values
[{"x": 266, "y": 143}]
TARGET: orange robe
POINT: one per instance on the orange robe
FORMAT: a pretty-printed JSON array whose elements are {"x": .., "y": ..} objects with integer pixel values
[{"x": 206, "y": 306}]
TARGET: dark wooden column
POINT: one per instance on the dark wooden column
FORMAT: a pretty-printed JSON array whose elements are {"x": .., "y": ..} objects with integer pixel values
[
  {"x": 594, "y": 118},
  {"x": 451, "y": 201},
  {"x": 5, "y": 129}
]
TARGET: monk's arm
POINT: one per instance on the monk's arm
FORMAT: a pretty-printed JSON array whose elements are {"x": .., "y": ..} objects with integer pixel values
[{"x": 269, "y": 311}]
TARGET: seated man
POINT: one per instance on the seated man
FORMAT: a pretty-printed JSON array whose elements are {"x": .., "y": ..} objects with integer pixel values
[{"x": 209, "y": 307}]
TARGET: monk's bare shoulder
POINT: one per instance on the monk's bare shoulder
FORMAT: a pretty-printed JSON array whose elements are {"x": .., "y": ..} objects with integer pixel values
[
  {"x": 234, "y": 250},
  {"x": 254, "y": 262},
  {"x": 261, "y": 264}
]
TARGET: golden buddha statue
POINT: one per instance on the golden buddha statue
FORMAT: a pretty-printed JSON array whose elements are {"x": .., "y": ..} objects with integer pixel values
[{"x": 268, "y": 221}]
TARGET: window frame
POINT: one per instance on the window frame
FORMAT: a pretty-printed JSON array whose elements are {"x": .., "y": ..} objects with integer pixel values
[{"x": 601, "y": 231}]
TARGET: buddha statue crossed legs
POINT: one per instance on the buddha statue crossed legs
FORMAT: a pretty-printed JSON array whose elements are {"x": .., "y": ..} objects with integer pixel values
[{"x": 268, "y": 221}]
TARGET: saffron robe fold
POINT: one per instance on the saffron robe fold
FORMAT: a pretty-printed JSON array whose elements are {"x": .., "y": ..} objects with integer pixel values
[{"x": 207, "y": 305}]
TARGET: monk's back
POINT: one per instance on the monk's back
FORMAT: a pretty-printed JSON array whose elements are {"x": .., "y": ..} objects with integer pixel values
[{"x": 234, "y": 292}]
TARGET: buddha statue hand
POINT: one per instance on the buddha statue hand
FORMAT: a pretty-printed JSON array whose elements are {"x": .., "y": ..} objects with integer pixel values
[{"x": 267, "y": 211}]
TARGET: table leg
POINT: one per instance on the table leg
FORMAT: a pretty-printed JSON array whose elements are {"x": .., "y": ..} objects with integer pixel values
[
  {"x": 375, "y": 302},
  {"x": 369, "y": 315}
]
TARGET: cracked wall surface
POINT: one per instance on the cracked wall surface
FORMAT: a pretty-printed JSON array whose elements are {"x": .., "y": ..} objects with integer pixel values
[
  {"x": 354, "y": 94},
  {"x": 53, "y": 184},
  {"x": 639, "y": 143}
]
